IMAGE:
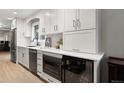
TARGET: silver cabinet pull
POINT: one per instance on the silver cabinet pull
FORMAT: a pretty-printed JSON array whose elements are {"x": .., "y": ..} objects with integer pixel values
[
  {"x": 75, "y": 49},
  {"x": 74, "y": 24},
  {"x": 78, "y": 23},
  {"x": 56, "y": 27}
]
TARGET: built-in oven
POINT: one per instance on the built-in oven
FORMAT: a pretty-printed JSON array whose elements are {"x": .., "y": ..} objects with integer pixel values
[
  {"x": 52, "y": 65},
  {"x": 77, "y": 70}
]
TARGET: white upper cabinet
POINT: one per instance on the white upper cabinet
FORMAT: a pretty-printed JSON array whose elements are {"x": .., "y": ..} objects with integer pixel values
[
  {"x": 27, "y": 28},
  {"x": 86, "y": 19},
  {"x": 80, "y": 19},
  {"x": 53, "y": 21},
  {"x": 46, "y": 22},
  {"x": 60, "y": 20},
  {"x": 70, "y": 19}
]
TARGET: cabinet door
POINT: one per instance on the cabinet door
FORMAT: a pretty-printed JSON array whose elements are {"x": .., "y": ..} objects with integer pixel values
[
  {"x": 27, "y": 29},
  {"x": 41, "y": 25},
  {"x": 60, "y": 20},
  {"x": 26, "y": 57},
  {"x": 86, "y": 19},
  {"x": 20, "y": 55},
  {"x": 22, "y": 58},
  {"x": 81, "y": 41},
  {"x": 70, "y": 19},
  {"x": 53, "y": 20},
  {"x": 56, "y": 20},
  {"x": 46, "y": 24}
]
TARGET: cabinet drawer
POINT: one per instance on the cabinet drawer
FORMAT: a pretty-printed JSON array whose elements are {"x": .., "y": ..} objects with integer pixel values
[
  {"x": 39, "y": 68},
  {"x": 39, "y": 55},
  {"x": 39, "y": 62},
  {"x": 39, "y": 58}
]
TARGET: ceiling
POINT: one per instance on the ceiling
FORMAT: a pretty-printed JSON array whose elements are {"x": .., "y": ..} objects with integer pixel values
[{"x": 6, "y": 15}]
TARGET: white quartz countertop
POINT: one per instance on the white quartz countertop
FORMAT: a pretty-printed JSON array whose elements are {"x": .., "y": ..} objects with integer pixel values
[{"x": 95, "y": 57}]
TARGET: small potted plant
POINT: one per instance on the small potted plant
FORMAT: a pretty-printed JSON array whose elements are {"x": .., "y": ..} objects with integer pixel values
[{"x": 60, "y": 43}]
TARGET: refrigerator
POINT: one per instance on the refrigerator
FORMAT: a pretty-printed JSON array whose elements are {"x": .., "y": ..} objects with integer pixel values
[{"x": 13, "y": 45}]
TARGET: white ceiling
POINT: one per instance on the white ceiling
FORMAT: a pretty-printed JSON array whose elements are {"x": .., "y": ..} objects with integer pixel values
[
  {"x": 22, "y": 13},
  {"x": 9, "y": 13}
]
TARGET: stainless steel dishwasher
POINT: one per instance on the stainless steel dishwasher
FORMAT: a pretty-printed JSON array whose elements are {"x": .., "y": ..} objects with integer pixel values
[{"x": 33, "y": 60}]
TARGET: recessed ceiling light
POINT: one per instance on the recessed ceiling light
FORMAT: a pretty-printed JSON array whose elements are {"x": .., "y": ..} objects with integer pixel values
[
  {"x": 9, "y": 18},
  {"x": 47, "y": 13},
  {"x": 15, "y": 13}
]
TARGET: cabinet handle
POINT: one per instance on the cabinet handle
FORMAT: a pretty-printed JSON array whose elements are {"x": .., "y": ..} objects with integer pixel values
[
  {"x": 74, "y": 24},
  {"x": 75, "y": 49},
  {"x": 56, "y": 27},
  {"x": 78, "y": 23}
]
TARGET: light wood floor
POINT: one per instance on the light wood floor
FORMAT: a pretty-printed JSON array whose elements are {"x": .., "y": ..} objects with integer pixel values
[{"x": 14, "y": 73}]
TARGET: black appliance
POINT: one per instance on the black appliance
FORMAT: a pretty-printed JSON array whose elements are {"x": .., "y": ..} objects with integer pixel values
[
  {"x": 52, "y": 64},
  {"x": 13, "y": 45},
  {"x": 77, "y": 70},
  {"x": 33, "y": 60},
  {"x": 4, "y": 46},
  {"x": 116, "y": 70}
]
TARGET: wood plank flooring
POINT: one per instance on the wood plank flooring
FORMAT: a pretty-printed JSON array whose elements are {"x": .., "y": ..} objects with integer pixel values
[{"x": 14, "y": 73}]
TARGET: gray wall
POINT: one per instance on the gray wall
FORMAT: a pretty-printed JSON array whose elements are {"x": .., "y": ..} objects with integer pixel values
[
  {"x": 113, "y": 32},
  {"x": 112, "y": 25}
]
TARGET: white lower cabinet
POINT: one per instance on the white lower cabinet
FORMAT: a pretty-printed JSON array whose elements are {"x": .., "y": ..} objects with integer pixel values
[{"x": 23, "y": 56}]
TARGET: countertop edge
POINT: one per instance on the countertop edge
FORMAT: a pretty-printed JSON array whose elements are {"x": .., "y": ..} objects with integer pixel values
[{"x": 95, "y": 57}]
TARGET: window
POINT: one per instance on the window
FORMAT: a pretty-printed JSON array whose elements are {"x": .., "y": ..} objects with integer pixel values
[{"x": 35, "y": 28}]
